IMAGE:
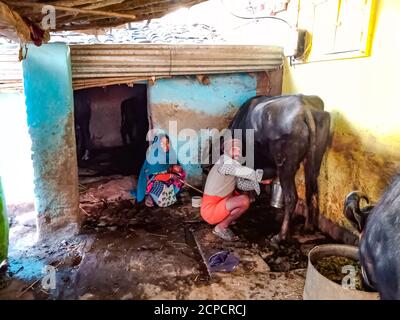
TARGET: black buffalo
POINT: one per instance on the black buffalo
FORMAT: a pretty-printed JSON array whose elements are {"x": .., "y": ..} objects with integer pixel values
[
  {"x": 82, "y": 115},
  {"x": 353, "y": 211},
  {"x": 128, "y": 121},
  {"x": 379, "y": 239},
  {"x": 134, "y": 128},
  {"x": 132, "y": 119},
  {"x": 288, "y": 130}
]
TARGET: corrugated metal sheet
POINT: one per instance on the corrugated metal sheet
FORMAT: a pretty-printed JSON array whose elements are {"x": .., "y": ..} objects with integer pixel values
[
  {"x": 101, "y": 65},
  {"x": 10, "y": 69},
  {"x": 107, "y": 61}
]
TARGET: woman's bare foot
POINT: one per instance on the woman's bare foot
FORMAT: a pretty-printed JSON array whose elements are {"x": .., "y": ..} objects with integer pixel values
[
  {"x": 225, "y": 234},
  {"x": 148, "y": 201}
]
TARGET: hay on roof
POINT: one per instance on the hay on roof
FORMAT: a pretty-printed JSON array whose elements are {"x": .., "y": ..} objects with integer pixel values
[
  {"x": 12, "y": 26},
  {"x": 89, "y": 14}
]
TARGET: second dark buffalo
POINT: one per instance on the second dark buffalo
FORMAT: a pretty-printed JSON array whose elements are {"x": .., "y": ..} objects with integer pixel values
[
  {"x": 134, "y": 127},
  {"x": 379, "y": 226},
  {"x": 133, "y": 119},
  {"x": 82, "y": 115},
  {"x": 288, "y": 130}
]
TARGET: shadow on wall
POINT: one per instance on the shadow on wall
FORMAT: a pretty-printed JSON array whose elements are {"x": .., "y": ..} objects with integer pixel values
[{"x": 356, "y": 160}]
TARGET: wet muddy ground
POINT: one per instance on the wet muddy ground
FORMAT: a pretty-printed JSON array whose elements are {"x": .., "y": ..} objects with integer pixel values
[{"x": 128, "y": 251}]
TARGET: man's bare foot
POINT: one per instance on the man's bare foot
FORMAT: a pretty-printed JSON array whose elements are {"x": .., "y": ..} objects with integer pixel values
[{"x": 225, "y": 234}]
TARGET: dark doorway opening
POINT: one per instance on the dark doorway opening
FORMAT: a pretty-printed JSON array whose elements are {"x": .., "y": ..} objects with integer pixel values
[{"x": 111, "y": 124}]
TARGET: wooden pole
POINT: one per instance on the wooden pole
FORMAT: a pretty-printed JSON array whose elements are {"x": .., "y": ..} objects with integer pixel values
[{"x": 190, "y": 186}]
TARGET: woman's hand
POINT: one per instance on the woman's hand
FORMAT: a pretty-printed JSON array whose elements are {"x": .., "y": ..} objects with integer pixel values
[
  {"x": 176, "y": 168},
  {"x": 176, "y": 176}
]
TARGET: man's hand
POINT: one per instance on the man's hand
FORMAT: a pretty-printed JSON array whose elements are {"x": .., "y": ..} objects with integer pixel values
[{"x": 266, "y": 181}]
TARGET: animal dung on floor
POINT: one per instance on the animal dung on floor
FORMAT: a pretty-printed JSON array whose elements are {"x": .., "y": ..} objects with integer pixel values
[
  {"x": 107, "y": 196},
  {"x": 110, "y": 189}
]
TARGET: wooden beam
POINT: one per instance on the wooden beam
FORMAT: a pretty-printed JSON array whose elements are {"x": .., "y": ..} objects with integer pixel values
[
  {"x": 72, "y": 3},
  {"x": 102, "y": 4},
  {"x": 74, "y": 10}
]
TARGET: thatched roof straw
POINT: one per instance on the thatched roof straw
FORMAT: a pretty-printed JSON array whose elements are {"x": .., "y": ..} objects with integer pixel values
[{"x": 82, "y": 14}]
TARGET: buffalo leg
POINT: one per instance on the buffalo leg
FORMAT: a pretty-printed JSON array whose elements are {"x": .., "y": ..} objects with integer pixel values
[
  {"x": 124, "y": 135},
  {"x": 310, "y": 193},
  {"x": 132, "y": 134},
  {"x": 312, "y": 201},
  {"x": 86, "y": 141},
  {"x": 124, "y": 123},
  {"x": 312, "y": 166},
  {"x": 287, "y": 180}
]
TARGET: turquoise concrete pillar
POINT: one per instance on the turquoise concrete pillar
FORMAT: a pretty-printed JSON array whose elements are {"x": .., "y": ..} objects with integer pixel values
[{"x": 49, "y": 103}]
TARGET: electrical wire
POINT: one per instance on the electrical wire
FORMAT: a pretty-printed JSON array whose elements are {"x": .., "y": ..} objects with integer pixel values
[
  {"x": 292, "y": 59},
  {"x": 255, "y": 17}
]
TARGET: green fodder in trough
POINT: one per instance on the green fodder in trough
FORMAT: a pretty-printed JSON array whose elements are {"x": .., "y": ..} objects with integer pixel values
[{"x": 332, "y": 268}]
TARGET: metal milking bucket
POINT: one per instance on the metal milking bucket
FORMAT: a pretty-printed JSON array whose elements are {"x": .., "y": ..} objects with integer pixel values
[{"x": 277, "y": 194}]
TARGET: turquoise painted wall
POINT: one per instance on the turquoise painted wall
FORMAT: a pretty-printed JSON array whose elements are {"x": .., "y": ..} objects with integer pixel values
[
  {"x": 49, "y": 103},
  {"x": 223, "y": 92},
  {"x": 197, "y": 106}
]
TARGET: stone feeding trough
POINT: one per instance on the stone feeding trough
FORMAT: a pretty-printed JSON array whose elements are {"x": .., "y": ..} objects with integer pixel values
[{"x": 324, "y": 273}]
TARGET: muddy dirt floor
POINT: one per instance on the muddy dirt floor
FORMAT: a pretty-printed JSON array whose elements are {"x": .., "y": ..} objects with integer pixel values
[{"x": 128, "y": 251}]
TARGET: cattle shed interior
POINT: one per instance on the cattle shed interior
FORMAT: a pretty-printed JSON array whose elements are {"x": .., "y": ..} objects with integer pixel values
[
  {"x": 81, "y": 104},
  {"x": 118, "y": 124}
]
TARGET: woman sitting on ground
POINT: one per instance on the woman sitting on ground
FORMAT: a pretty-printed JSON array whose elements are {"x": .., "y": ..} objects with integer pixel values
[
  {"x": 160, "y": 180},
  {"x": 222, "y": 203}
]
